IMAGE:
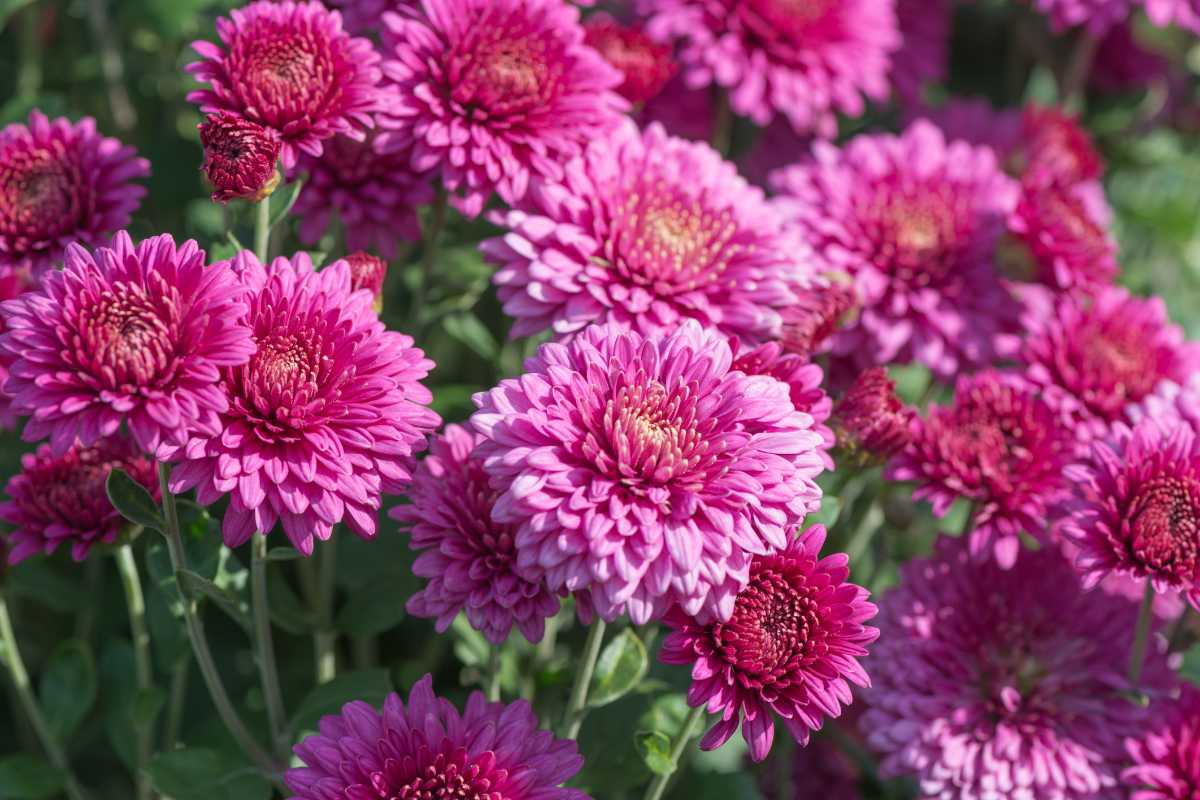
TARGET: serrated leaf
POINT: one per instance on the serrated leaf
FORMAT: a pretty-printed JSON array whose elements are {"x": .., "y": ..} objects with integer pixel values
[
  {"x": 200, "y": 774},
  {"x": 466, "y": 328},
  {"x": 133, "y": 501},
  {"x": 227, "y": 601},
  {"x": 621, "y": 666},
  {"x": 28, "y": 777},
  {"x": 655, "y": 749},
  {"x": 371, "y": 686},
  {"x": 68, "y": 687}
]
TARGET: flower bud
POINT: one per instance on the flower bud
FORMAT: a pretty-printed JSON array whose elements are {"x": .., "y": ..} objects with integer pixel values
[
  {"x": 870, "y": 421},
  {"x": 239, "y": 158},
  {"x": 367, "y": 272}
]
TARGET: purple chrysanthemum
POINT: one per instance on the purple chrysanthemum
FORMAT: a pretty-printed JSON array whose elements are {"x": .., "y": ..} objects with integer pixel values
[
  {"x": 1006, "y": 684},
  {"x": 366, "y": 16},
  {"x": 646, "y": 65},
  {"x": 13, "y": 282},
  {"x": 290, "y": 67},
  {"x": 427, "y": 750},
  {"x": 924, "y": 52},
  {"x": 62, "y": 183},
  {"x": 1063, "y": 232},
  {"x": 807, "y": 61},
  {"x": 495, "y": 93},
  {"x": 1123, "y": 63},
  {"x": 133, "y": 334},
  {"x": 1166, "y": 759},
  {"x": 323, "y": 419},
  {"x": 822, "y": 309},
  {"x": 239, "y": 158},
  {"x": 469, "y": 560},
  {"x": 914, "y": 220},
  {"x": 645, "y": 231},
  {"x": 1170, "y": 403},
  {"x": 647, "y": 471},
  {"x": 790, "y": 648}
]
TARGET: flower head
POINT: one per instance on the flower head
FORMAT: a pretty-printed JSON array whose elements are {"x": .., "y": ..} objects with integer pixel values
[
  {"x": 495, "y": 93},
  {"x": 1097, "y": 15},
  {"x": 323, "y": 419},
  {"x": 62, "y": 183},
  {"x": 914, "y": 221},
  {"x": 290, "y": 67},
  {"x": 469, "y": 560},
  {"x": 239, "y": 158},
  {"x": 131, "y": 333},
  {"x": 13, "y": 282},
  {"x": 61, "y": 500},
  {"x": 819, "y": 312},
  {"x": 807, "y": 61},
  {"x": 1063, "y": 231},
  {"x": 1123, "y": 63},
  {"x": 426, "y": 749},
  {"x": 1166, "y": 759},
  {"x": 1184, "y": 13},
  {"x": 646, "y": 64},
  {"x": 1055, "y": 146},
  {"x": 367, "y": 272},
  {"x": 870, "y": 419},
  {"x": 994, "y": 683},
  {"x": 647, "y": 230},
  {"x": 366, "y": 16},
  {"x": 647, "y": 471}
]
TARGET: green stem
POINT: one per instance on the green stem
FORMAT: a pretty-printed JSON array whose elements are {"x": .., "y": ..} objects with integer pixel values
[
  {"x": 431, "y": 240},
  {"x": 1079, "y": 66},
  {"x": 1179, "y": 631},
  {"x": 29, "y": 67},
  {"x": 722, "y": 133},
  {"x": 1141, "y": 636},
  {"x": 20, "y": 679},
  {"x": 659, "y": 785},
  {"x": 176, "y": 704},
  {"x": 144, "y": 667},
  {"x": 325, "y": 638},
  {"x": 495, "y": 670},
  {"x": 577, "y": 706},
  {"x": 262, "y": 229},
  {"x": 268, "y": 670}
]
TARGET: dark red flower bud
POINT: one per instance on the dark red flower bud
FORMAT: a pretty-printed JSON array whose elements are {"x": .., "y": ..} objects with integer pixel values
[
  {"x": 870, "y": 419},
  {"x": 818, "y": 315},
  {"x": 367, "y": 272},
  {"x": 239, "y": 158},
  {"x": 646, "y": 64}
]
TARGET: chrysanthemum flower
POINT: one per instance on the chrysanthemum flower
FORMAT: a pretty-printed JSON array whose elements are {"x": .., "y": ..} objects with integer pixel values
[
  {"x": 975, "y": 120},
  {"x": 645, "y": 231},
  {"x": 12, "y": 283},
  {"x": 324, "y": 417},
  {"x": 924, "y": 52},
  {"x": 1063, "y": 231},
  {"x": 290, "y": 67},
  {"x": 820, "y": 311},
  {"x": 1170, "y": 403},
  {"x": 994, "y": 683},
  {"x": 687, "y": 113},
  {"x": 870, "y": 419},
  {"x": 1166, "y": 759},
  {"x": 469, "y": 560},
  {"x": 427, "y": 749},
  {"x": 1184, "y": 13},
  {"x": 1055, "y": 146},
  {"x": 646, "y": 64},
  {"x": 806, "y": 62},
  {"x": 62, "y": 183},
  {"x": 133, "y": 334},
  {"x": 646, "y": 471},
  {"x": 914, "y": 221},
  {"x": 495, "y": 93},
  {"x": 1000, "y": 447},
  {"x": 61, "y": 500},
  {"x": 367, "y": 272},
  {"x": 1122, "y": 63},
  {"x": 803, "y": 379},
  {"x": 366, "y": 16},
  {"x": 374, "y": 195},
  {"x": 239, "y": 158},
  {"x": 1097, "y": 15}
]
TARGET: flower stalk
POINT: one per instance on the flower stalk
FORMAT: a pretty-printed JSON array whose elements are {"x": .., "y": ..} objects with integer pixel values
[
  {"x": 690, "y": 727},
  {"x": 1141, "y": 636},
  {"x": 135, "y": 602},
  {"x": 265, "y": 645},
  {"x": 577, "y": 706}
]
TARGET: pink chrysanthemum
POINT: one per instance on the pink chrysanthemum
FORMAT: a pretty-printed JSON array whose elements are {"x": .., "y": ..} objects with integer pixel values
[
  {"x": 13, "y": 282},
  {"x": 322, "y": 420},
  {"x": 239, "y": 158},
  {"x": 1184, "y": 13},
  {"x": 645, "y": 64},
  {"x": 367, "y": 272},
  {"x": 791, "y": 647},
  {"x": 61, "y": 500},
  {"x": 806, "y": 61},
  {"x": 134, "y": 334},
  {"x": 366, "y": 16},
  {"x": 62, "y": 183},
  {"x": 1097, "y": 15},
  {"x": 1063, "y": 232},
  {"x": 1166, "y": 760},
  {"x": 469, "y": 560},
  {"x": 1170, "y": 403},
  {"x": 290, "y": 67},
  {"x": 914, "y": 220},
  {"x": 1000, "y": 447},
  {"x": 803, "y": 379},
  {"x": 1006, "y": 684},
  {"x": 975, "y": 120},
  {"x": 427, "y": 750},
  {"x": 646, "y": 231},
  {"x": 647, "y": 471},
  {"x": 924, "y": 52},
  {"x": 374, "y": 195},
  {"x": 687, "y": 113},
  {"x": 1055, "y": 146},
  {"x": 495, "y": 93},
  {"x": 869, "y": 419}
]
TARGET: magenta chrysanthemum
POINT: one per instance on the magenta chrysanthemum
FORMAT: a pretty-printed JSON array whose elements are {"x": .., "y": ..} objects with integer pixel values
[
  {"x": 1123, "y": 63},
  {"x": 495, "y": 93},
  {"x": 924, "y": 52},
  {"x": 647, "y": 471},
  {"x": 61, "y": 500},
  {"x": 1063, "y": 231},
  {"x": 790, "y": 648},
  {"x": 62, "y": 183},
  {"x": 323, "y": 418},
  {"x": 1166, "y": 760},
  {"x": 290, "y": 67},
  {"x": 374, "y": 195},
  {"x": 367, "y": 272},
  {"x": 807, "y": 61},
  {"x": 645, "y": 231},
  {"x": 1170, "y": 403},
  {"x": 999, "y": 447},
  {"x": 469, "y": 560},
  {"x": 914, "y": 220},
  {"x": 1097, "y": 15},
  {"x": 646, "y": 64},
  {"x": 13, "y": 283},
  {"x": 366, "y": 16},
  {"x": 1055, "y": 146},
  {"x": 427, "y": 750},
  {"x": 1006, "y": 684},
  {"x": 870, "y": 420},
  {"x": 134, "y": 334},
  {"x": 239, "y": 158}
]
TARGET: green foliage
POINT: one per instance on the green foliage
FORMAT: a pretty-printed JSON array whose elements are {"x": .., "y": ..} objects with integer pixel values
[
  {"x": 199, "y": 774},
  {"x": 28, "y": 777}
]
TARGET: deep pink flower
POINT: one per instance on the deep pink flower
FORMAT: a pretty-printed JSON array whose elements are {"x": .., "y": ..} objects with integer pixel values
[
  {"x": 803, "y": 379},
  {"x": 914, "y": 221},
  {"x": 374, "y": 195},
  {"x": 1123, "y": 63},
  {"x": 975, "y": 120},
  {"x": 816, "y": 317},
  {"x": 1000, "y": 447},
  {"x": 469, "y": 560},
  {"x": 367, "y": 272},
  {"x": 790, "y": 648},
  {"x": 1170, "y": 403},
  {"x": 13, "y": 282},
  {"x": 289, "y": 66},
  {"x": 366, "y": 16},
  {"x": 995, "y": 683},
  {"x": 1184, "y": 13},
  {"x": 807, "y": 62},
  {"x": 687, "y": 113},
  {"x": 323, "y": 419},
  {"x": 645, "y": 64},
  {"x": 645, "y": 231},
  {"x": 239, "y": 158},
  {"x": 61, "y": 500},
  {"x": 924, "y": 53},
  {"x": 133, "y": 334},
  {"x": 62, "y": 183},
  {"x": 1097, "y": 15},
  {"x": 869, "y": 419},
  {"x": 1062, "y": 231},
  {"x": 647, "y": 471},
  {"x": 495, "y": 93},
  {"x": 1166, "y": 759},
  {"x": 1055, "y": 146},
  {"x": 428, "y": 750}
]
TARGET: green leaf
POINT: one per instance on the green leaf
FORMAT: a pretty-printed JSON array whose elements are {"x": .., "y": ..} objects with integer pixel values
[
  {"x": 10, "y": 7},
  {"x": 117, "y": 695},
  {"x": 655, "y": 749},
  {"x": 286, "y": 609},
  {"x": 68, "y": 687},
  {"x": 466, "y": 328},
  {"x": 133, "y": 501},
  {"x": 371, "y": 686},
  {"x": 283, "y": 200},
  {"x": 471, "y": 649},
  {"x": 28, "y": 777},
  {"x": 621, "y": 666},
  {"x": 827, "y": 515},
  {"x": 38, "y": 580},
  {"x": 376, "y": 608},
  {"x": 227, "y": 601},
  {"x": 1190, "y": 671},
  {"x": 199, "y": 774},
  {"x": 147, "y": 705}
]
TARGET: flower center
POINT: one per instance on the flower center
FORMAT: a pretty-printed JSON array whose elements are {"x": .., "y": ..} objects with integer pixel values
[
  {"x": 40, "y": 196},
  {"x": 773, "y": 627},
  {"x": 1118, "y": 366},
  {"x": 1165, "y": 526},
  {"x": 917, "y": 232},
  {"x": 286, "y": 376},
  {"x": 496, "y": 72},
  {"x": 126, "y": 337},
  {"x": 446, "y": 779},
  {"x": 793, "y": 20},
  {"x": 284, "y": 76}
]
